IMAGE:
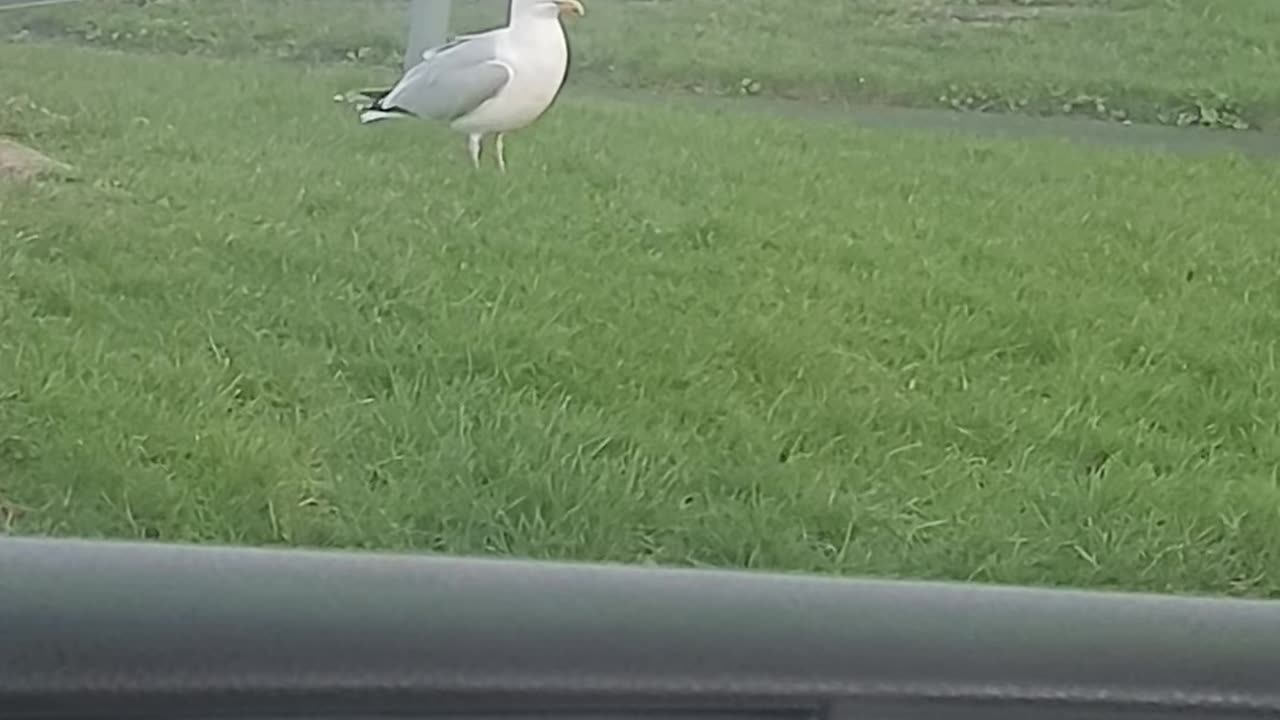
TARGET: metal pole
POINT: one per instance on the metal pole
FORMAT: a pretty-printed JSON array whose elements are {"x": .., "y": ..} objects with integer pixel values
[{"x": 428, "y": 27}]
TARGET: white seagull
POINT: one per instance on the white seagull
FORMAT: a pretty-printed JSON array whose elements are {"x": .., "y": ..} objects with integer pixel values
[{"x": 486, "y": 83}]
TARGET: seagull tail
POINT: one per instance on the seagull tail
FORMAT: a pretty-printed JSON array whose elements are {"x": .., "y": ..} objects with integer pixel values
[
  {"x": 376, "y": 110},
  {"x": 373, "y": 115}
]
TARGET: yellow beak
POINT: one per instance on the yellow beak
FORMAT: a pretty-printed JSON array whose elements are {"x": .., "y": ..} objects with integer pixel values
[{"x": 571, "y": 6}]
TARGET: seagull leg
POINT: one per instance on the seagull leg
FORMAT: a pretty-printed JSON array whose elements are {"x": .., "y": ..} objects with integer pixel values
[
  {"x": 473, "y": 145},
  {"x": 502, "y": 157}
]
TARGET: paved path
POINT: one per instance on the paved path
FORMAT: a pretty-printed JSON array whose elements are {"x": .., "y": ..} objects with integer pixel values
[{"x": 1191, "y": 141}]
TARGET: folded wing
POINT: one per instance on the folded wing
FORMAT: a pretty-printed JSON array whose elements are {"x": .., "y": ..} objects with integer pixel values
[{"x": 451, "y": 81}]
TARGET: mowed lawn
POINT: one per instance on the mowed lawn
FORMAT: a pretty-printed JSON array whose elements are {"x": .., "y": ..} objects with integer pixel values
[{"x": 666, "y": 336}]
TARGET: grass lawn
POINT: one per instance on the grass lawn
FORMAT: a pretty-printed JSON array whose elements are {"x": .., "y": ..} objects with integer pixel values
[
  {"x": 1210, "y": 62},
  {"x": 664, "y": 337}
]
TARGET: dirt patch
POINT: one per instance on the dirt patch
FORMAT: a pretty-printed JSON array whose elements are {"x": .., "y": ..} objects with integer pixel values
[{"x": 20, "y": 163}]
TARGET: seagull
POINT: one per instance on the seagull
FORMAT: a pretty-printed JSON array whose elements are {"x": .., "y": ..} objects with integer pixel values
[{"x": 488, "y": 83}]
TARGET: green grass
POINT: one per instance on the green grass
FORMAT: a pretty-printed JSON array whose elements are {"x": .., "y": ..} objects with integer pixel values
[
  {"x": 1206, "y": 62},
  {"x": 663, "y": 337}
]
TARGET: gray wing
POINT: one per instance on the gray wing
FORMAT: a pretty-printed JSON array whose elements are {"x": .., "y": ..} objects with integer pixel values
[{"x": 452, "y": 80}]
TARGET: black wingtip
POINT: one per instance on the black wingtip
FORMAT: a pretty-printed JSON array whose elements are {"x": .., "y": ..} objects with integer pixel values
[
  {"x": 375, "y": 98},
  {"x": 374, "y": 94}
]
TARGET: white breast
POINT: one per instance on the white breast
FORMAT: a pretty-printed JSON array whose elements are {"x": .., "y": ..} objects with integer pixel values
[{"x": 537, "y": 57}]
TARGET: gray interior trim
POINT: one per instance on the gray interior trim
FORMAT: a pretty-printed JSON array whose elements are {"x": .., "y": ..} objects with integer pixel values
[{"x": 91, "y": 629}]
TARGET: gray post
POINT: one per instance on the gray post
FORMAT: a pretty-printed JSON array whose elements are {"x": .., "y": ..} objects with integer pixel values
[{"x": 428, "y": 27}]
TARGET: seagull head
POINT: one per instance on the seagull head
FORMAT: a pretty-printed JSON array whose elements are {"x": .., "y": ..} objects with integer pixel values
[{"x": 550, "y": 8}]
